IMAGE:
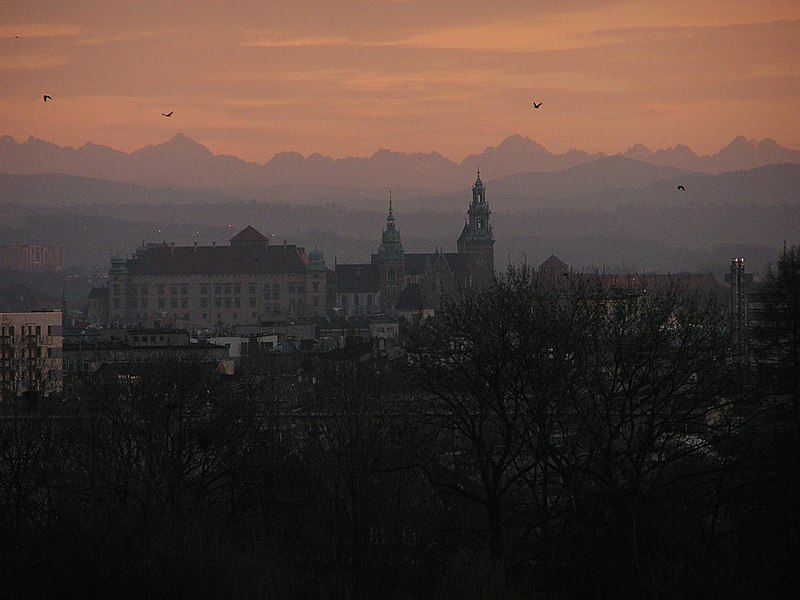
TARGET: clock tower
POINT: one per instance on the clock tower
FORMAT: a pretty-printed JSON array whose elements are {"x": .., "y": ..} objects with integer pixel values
[
  {"x": 476, "y": 239},
  {"x": 391, "y": 264}
]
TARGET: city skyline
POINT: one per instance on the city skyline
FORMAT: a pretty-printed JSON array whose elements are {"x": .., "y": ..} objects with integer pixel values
[{"x": 348, "y": 78}]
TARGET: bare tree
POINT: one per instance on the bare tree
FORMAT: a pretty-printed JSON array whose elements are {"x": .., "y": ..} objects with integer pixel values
[{"x": 563, "y": 400}]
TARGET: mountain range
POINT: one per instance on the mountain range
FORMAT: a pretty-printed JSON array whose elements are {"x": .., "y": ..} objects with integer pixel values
[
  {"x": 183, "y": 163},
  {"x": 624, "y": 211}
]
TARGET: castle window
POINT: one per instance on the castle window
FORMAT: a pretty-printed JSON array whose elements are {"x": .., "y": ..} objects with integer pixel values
[
  {"x": 480, "y": 223},
  {"x": 390, "y": 274}
]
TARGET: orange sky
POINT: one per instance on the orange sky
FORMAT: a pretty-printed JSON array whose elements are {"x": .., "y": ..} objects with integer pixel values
[{"x": 345, "y": 78}]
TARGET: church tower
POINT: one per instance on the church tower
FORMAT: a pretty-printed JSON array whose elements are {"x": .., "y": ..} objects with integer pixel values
[
  {"x": 391, "y": 264},
  {"x": 476, "y": 239}
]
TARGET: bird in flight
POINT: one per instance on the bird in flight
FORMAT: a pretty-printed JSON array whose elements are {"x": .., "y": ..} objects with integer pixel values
[
  {"x": 537, "y": 104},
  {"x": 169, "y": 114},
  {"x": 46, "y": 97},
  {"x": 680, "y": 187}
]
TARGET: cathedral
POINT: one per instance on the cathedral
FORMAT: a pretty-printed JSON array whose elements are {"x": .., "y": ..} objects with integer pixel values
[
  {"x": 251, "y": 281},
  {"x": 396, "y": 282}
]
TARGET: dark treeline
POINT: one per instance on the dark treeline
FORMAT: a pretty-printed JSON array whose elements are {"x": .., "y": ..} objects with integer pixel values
[{"x": 544, "y": 439}]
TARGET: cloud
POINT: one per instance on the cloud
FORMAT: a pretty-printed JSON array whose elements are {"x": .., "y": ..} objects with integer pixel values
[
  {"x": 31, "y": 61},
  {"x": 123, "y": 36},
  {"x": 38, "y": 30},
  {"x": 299, "y": 42}
]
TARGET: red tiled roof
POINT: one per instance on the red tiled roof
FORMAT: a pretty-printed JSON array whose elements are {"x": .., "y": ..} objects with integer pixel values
[
  {"x": 183, "y": 260},
  {"x": 249, "y": 234},
  {"x": 553, "y": 264}
]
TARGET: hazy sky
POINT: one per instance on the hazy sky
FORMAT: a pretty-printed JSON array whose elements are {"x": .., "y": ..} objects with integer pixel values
[{"x": 345, "y": 78}]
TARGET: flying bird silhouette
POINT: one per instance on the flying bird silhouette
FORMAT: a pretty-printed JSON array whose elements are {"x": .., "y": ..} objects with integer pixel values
[
  {"x": 46, "y": 97},
  {"x": 537, "y": 104},
  {"x": 169, "y": 114},
  {"x": 680, "y": 187}
]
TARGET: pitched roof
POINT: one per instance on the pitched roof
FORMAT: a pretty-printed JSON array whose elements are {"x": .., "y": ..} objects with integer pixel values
[
  {"x": 414, "y": 297},
  {"x": 358, "y": 278},
  {"x": 422, "y": 263},
  {"x": 553, "y": 265},
  {"x": 459, "y": 264},
  {"x": 418, "y": 263},
  {"x": 248, "y": 234},
  {"x": 183, "y": 260}
]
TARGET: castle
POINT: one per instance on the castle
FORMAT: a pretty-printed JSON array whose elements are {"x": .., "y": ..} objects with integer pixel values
[
  {"x": 397, "y": 282},
  {"x": 251, "y": 282}
]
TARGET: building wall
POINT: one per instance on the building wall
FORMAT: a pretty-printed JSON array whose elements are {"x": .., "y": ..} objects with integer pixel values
[
  {"x": 32, "y": 256},
  {"x": 30, "y": 353},
  {"x": 357, "y": 304},
  {"x": 217, "y": 301}
]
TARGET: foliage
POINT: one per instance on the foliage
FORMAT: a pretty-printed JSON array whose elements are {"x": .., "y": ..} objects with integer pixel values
[{"x": 561, "y": 437}]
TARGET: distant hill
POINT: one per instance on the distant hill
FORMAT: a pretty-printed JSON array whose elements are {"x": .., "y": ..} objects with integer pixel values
[
  {"x": 590, "y": 214},
  {"x": 608, "y": 173},
  {"x": 740, "y": 154},
  {"x": 605, "y": 182},
  {"x": 183, "y": 163}
]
